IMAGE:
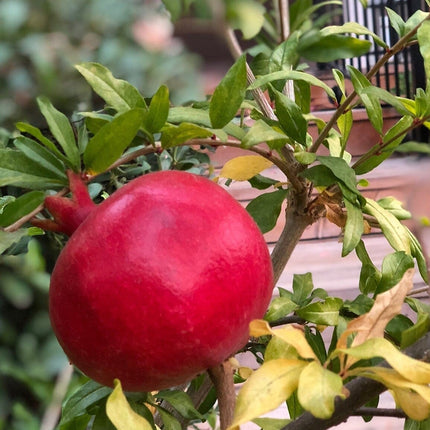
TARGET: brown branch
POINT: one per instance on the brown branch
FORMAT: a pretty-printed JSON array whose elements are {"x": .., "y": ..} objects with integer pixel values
[
  {"x": 379, "y": 412},
  {"x": 222, "y": 378}
]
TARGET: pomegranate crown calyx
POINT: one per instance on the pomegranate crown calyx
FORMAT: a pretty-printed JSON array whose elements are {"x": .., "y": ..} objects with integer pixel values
[{"x": 68, "y": 213}]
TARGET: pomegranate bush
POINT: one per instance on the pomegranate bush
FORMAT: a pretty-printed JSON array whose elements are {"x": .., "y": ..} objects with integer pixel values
[{"x": 165, "y": 277}]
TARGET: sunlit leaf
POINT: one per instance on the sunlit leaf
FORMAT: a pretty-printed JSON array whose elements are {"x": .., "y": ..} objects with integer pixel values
[
  {"x": 245, "y": 15},
  {"x": 262, "y": 132},
  {"x": 293, "y": 75},
  {"x": 318, "y": 388},
  {"x": 423, "y": 35},
  {"x": 289, "y": 334},
  {"x": 176, "y": 135},
  {"x": 117, "y": 93},
  {"x": 7, "y": 239},
  {"x": 271, "y": 423},
  {"x": 393, "y": 230},
  {"x": 121, "y": 414},
  {"x": 280, "y": 307},
  {"x": 324, "y": 313},
  {"x": 266, "y": 389},
  {"x": 412, "y": 370},
  {"x": 244, "y": 167}
]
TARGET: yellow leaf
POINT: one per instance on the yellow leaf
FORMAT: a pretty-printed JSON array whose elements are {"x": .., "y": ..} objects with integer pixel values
[
  {"x": 266, "y": 389},
  {"x": 289, "y": 334},
  {"x": 412, "y": 398},
  {"x": 412, "y": 370},
  {"x": 387, "y": 305},
  {"x": 412, "y": 404},
  {"x": 244, "y": 167},
  {"x": 318, "y": 388},
  {"x": 120, "y": 412}
]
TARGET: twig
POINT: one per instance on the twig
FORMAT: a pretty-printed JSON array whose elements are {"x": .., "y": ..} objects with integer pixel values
[
  {"x": 222, "y": 378},
  {"x": 379, "y": 412},
  {"x": 53, "y": 411}
]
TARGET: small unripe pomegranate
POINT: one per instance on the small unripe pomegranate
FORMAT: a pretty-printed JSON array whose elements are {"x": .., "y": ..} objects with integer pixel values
[{"x": 157, "y": 283}]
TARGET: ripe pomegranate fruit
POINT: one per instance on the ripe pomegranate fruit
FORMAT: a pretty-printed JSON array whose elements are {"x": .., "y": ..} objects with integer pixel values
[{"x": 157, "y": 283}]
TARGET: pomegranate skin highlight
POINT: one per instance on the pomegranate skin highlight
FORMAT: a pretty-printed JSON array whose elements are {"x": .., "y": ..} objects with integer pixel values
[{"x": 159, "y": 282}]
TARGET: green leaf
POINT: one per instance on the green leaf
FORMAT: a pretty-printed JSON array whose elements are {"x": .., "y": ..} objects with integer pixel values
[
  {"x": 369, "y": 274},
  {"x": 87, "y": 395},
  {"x": 396, "y": 21},
  {"x": 316, "y": 341},
  {"x": 423, "y": 35},
  {"x": 371, "y": 103},
  {"x": 112, "y": 139},
  {"x": 342, "y": 171},
  {"x": 324, "y": 313},
  {"x": 37, "y": 134},
  {"x": 394, "y": 206},
  {"x": 378, "y": 153},
  {"x": 418, "y": 253},
  {"x": 229, "y": 94},
  {"x": 246, "y": 16},
  {"x": 285, "y": 55},
  {"x": 20, "y": 171},
  {"x": 156, "y": 116},
  {"x": 117, "y": 93},
  {"x": 354, "y": 227},
  {"x": 420, "y": 147},
  {"x": 320, "y": 176},
  {"x": 353, "y": 27},
  {"x": 174, "y": 7},
  {"x": 335, "y": 47},
  {"x": 261, "y": 182},
  {"x": 265, "y": 209},
  {"x": 302, "y": 288},
  {"x": 121, "y": 414},
  {"x": 262, "y": 132},
  {"x": 279, "y": 308},
  {"x": 169, "y": 421},
  {"x": 305, "y": 157},
  {"x": 388, "y": 98},
  {"x": 7, "y": 239},
  {"x": 21, "y": 206},
  {"x": 41, "y": 155},
  {"x": 271, "y": 423},
  {"x": 393, "y": 268},
  {"x": 62, "y": 130},
  {"x": 181, "y": 402},
  {"x": 176, "y": 135},
  {"x": 318, "y": 388},
  {"x": 291, "y": 118},
  {"x": 293, "y": 75},
  {"x": 393, "y": 230},
  {"x": 178, "y": 115}
]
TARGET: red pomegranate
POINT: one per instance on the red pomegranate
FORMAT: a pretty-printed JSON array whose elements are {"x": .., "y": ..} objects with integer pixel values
[{"x": 157, "y": 283}]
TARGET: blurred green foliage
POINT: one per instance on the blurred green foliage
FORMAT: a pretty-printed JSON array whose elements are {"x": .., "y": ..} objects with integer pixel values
[{"x": 41, "y": 40}]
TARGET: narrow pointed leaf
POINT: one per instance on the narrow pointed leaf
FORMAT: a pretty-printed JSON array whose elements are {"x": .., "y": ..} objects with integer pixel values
[
  {"x": 117, "y": 93},
  {"x": 229, "y": 94},
  {"x": 393, "y": 230},
  {"x": 176, "y": 135},
  {"x": 354, "y": 228},
  {"x": 156, "y": 116},
  {"x": 324, "y": 313},
  {"x": 62, "y": 130},
  {"x": 412, "y": 370},
  {"x": 111, "y": 141},
  {"x": 423, "y": 35},
  {"x": 262, "y": 132},
  {"x": 20, "y": 207},
  {"x": 291, "y": 118}
]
